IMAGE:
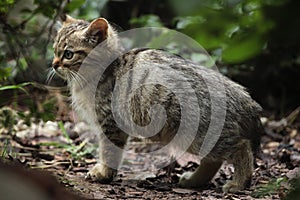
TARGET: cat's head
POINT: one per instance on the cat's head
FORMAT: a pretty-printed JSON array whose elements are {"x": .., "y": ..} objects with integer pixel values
[{"x": 74, "y": 41}]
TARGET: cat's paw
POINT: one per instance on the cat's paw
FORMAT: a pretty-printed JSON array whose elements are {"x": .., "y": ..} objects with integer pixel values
[
  {"x": 101, "y": 173},
  {"x": 187, "y": 181},
  {"x": 232, "y": 187}
]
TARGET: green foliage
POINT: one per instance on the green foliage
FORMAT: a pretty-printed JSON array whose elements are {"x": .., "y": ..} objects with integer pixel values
[
  {"x": 5, "y": 72},
  {"x": 147, "y": 20},
  {"x": 73, "y": 5},
  {"x": 64, "y": 132},
  {"x": 184, "y": 22},
  {"x": 169, "y": 41},
  {"x": 272, "y": 187},
  {"x": 47, "y": 7},
  {"x": 238, "y": 27},
  {"x": 48, "y": 110},
  {"x": 8, "y": 118},
  {"x": 233, "y": 31},
  {"x": 26, "y": 49},
  {"x": 25, "y": 36},
  {"x": 14, "y": 87},
  {"x": 47, "y": 113},
  {"x": 77, "y": 152},
  {"x": 5, "y": 5},
  {"x": 4, "y": 150},
  {"x": 90, "y": 9}
]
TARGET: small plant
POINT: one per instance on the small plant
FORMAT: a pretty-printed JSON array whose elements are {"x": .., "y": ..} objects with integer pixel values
[
  {"x": 77, "y": 151},
  {"x": 4, "y": 150},
  {"x": 272, "y": 187},
  {"x": 15, "y": 87}
]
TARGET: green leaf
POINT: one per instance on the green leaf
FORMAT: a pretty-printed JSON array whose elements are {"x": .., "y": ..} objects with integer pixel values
[
  {"x": 161, "y": 40},
  {"x": 5, "y": 73},
  {"x": 73, "y": 5},
  {"x": 272, "y": 187},
  {"x": 183, "y": 22},
  {"x": 147, "y": 20},
  {"x": 5, "y": 5},
  {"x": 240, "y": 50},
  {"x": 54, "y": 144},
  {"x": 64, "y": 132},
  {"x": 13, "y": 87}
]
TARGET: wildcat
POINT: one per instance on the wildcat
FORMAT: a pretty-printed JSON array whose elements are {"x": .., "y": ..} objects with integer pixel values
[{"x": 240, "y": 136}]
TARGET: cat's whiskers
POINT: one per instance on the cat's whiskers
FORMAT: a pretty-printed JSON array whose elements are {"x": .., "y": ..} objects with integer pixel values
[
  {"x": 82, "y": 78},
  {"x": 69, "y": 79},
  {"x": 78, "y": 79},
  {"x": 50, "y": 74},
  {"x": 212, "y": 99}
]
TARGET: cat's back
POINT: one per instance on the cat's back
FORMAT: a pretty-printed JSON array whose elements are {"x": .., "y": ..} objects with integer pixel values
[
  {"x": 158, "y": 77},
  {"x": 143, "y": 65}
]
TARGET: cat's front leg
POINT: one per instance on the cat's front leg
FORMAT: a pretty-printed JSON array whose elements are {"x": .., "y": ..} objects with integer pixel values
[
  {"x": 101, "y": 173},
  {"x": 110, "y": 157}
]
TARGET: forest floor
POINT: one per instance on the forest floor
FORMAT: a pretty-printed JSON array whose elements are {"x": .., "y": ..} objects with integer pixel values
[{"x": 57, "y": 147}]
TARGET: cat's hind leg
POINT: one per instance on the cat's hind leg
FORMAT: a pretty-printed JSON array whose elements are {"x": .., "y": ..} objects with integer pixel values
[{"x": 242, "y": 161}]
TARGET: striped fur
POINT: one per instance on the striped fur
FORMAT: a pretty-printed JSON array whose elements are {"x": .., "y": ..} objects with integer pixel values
[{"x": 239, "y": 138}]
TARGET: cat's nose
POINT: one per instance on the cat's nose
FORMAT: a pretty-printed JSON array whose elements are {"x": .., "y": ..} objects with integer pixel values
[{"x": 55, "y": 63}]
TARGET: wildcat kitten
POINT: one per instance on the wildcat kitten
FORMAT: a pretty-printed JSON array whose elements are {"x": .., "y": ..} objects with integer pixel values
[{"x": 239, "y": 139}]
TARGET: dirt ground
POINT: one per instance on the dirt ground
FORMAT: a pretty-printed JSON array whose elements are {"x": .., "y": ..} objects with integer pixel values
[{"x": 57, "y": 147}]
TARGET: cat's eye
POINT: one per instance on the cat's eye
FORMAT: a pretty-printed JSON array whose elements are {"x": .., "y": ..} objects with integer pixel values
[{"x": 68, "y": 54}]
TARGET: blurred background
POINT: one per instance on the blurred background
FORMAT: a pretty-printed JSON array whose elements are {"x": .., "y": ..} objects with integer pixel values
[{"x": 254, "y": 42}]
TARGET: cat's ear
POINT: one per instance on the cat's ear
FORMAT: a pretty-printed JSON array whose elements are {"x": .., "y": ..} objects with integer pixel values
[
  {"x": 67, "y": 19},
  {"x": 99, "y": 28}
]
